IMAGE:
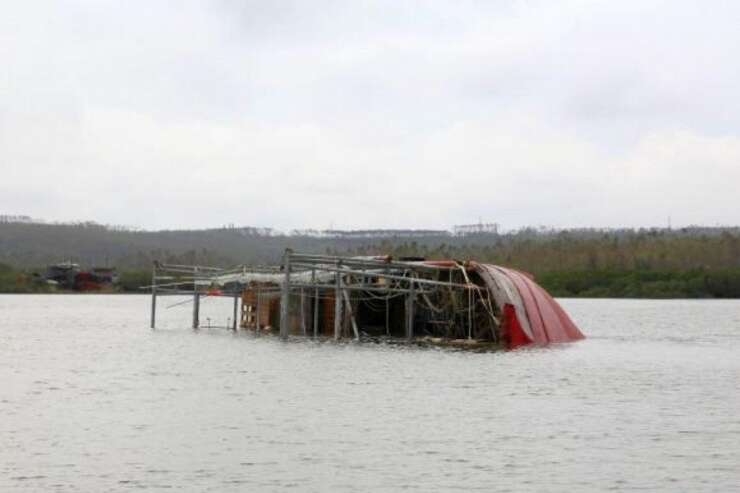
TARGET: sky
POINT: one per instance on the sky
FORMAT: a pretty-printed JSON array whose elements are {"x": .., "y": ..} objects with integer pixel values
[{"x": 371, "y": 114}]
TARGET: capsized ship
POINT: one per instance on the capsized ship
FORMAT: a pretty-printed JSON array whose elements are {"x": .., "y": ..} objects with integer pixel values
[{"x": 449, "y": 302}]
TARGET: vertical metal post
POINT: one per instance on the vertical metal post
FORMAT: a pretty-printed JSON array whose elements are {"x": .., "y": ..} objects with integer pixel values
[
  {"x": 410, "y": 311},
  {"x": 257, "y": 312},
  {"x": 154, "y": 295},
  {"x": 303, "y": 311},
  {"x": 196, "y": 300},
  {"x": 470, "y": 313},
  {"x": 315, "y": 305},
  {"x": 196, "y": 310},
  {"x": 285, "y": 296},
  {"x": 337, "y": 304},
  {"x": 236, "y": 309},
  {"x": 387, "y": 309}
]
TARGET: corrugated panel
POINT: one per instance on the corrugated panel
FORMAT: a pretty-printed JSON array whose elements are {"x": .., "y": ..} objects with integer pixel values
[
  {"x": 505, "y": 293},
  {"x": 548, "y": 322}
]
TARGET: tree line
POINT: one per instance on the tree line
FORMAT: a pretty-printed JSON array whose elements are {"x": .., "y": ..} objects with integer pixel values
[
  {"x": 640, "y": 265},
  {"x": 688, "y": 262}
]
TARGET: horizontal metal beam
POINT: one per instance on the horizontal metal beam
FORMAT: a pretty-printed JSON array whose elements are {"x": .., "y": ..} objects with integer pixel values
[
  {"x": 173, "y": 292},
  {"x": 161, "y": 266},
  {"x": 376, "y": 273},
  {"x": 190, "y": 271},
  {"x": 251, "y": 268},
  {"x": 308, "y": 257},
  {"x": 354, "y": 287}
]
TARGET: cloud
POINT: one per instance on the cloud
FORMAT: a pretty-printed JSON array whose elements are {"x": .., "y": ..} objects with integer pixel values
[{"x": 379, "y": 114}]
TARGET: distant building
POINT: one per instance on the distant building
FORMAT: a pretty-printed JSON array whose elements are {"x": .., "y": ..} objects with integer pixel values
[
  {"x": 369, "y": 233},
  {"x": 472, "y": 229},
  {"x": 7, "y": 218},
  {"x": 105, "y": 275},
  {"x": 62, "y": 274},
  {"x": 247, "y": 231},
  {"x": 67, "y": 275}
]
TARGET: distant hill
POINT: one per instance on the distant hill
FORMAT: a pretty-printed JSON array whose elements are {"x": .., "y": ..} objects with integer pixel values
[
  {"x": 645, "y": 263},
  {"x": 25, "y": 244}
]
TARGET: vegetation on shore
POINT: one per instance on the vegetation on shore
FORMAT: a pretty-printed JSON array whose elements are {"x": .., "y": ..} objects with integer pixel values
[
  {"x": 17, "y": 281},
  {"x": 639, "y": 265},
  {"x": 626, "y": 263},
  {"x": 578, "y": 284},
  {"x": 643, "y": 284}
]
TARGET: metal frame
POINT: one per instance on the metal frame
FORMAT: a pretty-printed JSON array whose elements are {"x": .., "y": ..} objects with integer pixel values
[
  {"x": 348, "y": 281},
  {"x": 187, "y": 280}
]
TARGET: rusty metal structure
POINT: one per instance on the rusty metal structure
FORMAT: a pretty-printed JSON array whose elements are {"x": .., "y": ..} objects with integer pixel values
[{"x": 372, "y": 298}]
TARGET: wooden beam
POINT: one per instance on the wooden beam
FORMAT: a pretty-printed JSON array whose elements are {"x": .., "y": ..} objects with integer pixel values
[{"x": 351, "y": 314}]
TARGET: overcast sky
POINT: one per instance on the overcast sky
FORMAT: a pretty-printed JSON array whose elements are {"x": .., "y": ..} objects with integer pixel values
[{"x": 363, "y": 114}]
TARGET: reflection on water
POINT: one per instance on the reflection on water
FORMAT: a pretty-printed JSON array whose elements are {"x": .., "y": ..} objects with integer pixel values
[{"x": 92, "y": 400}]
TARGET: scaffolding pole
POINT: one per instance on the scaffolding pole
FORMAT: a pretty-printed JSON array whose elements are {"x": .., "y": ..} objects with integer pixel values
[
  {"x": 315, "y": 305},
  {"x": 154, "y": 296},
  {"x": 285, "y": 297},
  {"x": 236, "y": 309},
  {"x": 410, "y": 312},
  {"x": 337, "y": 304},
  {"x": 196, "y": 301},
  {"x": 257, "y": 311}
]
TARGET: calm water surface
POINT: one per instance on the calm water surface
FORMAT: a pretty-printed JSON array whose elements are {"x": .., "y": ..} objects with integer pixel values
[{"x": 92, "y": 400}]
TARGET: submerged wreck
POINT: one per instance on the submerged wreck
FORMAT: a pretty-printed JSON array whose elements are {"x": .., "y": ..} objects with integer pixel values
[{"x": 465, "y": 304}]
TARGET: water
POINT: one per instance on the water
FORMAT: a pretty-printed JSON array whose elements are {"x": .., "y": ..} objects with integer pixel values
[{"x": 92, "y": 400}]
